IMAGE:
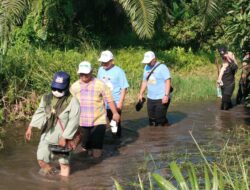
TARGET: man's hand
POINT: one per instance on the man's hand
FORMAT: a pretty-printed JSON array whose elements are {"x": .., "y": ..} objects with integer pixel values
[
  {"x": 140, "y": 96},
  {"x": 62, "y": 142},
  {"x": 116, "y": 117},
  {"x": 28, "y": 133},
  {"x": 165, "y": 99},
  {"x": 119, "y": 106}
]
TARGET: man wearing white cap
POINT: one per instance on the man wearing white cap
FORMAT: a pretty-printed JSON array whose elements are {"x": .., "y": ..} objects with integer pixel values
[
  {"x": 114, "y": 77},
  {"x": 157, "y": 81},
  {"x": 91, "y": 93}
]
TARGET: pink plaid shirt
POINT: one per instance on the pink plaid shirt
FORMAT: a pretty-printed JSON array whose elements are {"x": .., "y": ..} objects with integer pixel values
[{"x": 91, "y": 97}]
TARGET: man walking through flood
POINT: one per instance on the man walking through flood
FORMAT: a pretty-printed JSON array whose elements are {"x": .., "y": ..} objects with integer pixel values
[
  {"x": 114, "y": 77},
  {"x": 92, "y": 93},
  {"x": 157, "y": 81},
  {"x": 226, "y": 78},
  {"x": 58, "y": 118}
]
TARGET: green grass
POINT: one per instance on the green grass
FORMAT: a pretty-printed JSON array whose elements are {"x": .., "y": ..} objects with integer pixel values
[{"x": 26, "y": 74}]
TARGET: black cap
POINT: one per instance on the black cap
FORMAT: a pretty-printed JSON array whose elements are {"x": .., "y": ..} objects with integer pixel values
[{"x": 222, "y": 50}]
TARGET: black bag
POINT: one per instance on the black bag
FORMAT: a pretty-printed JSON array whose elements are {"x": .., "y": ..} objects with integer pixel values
[
  {"x": 56, "y": 149},
  {"x": 171, "y": 89},
  {"x": 139, "y": 104}
]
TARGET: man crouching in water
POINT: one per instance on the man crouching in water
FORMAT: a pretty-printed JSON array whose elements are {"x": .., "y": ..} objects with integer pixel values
[{"x": 58, "y": 118}]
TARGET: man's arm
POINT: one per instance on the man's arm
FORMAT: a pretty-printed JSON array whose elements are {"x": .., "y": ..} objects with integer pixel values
[
  {"x": 166, "y": 97},
  {"x": 142, "y": 90},
  {"x": 122, "y": 98},
  {"x": 112, "y": 106}
]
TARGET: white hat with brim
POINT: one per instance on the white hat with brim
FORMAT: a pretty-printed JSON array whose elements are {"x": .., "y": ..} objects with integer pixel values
[
  {"x": 106, "y": 56},
  {"x": 148, "y": 57},
  {"x": 84, "y": 68}
]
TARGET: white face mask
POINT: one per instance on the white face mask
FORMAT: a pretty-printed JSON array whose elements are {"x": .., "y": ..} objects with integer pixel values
[{"x": 58, "y": 94}]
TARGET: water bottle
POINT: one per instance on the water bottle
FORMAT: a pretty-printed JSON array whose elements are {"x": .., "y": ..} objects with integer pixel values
[
  {"x": 219, "y": 95},
  {"x": 113, "y": 126}
]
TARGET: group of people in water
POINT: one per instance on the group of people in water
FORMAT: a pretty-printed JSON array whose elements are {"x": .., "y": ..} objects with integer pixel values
[
  {"x": 86, "y": 107},
  {"x": 79, "y": 114}
]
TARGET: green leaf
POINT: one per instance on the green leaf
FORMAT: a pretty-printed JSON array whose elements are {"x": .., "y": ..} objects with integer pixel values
[
  {"x": 142, "y": 14},
  {"x": 163, "y": 183},
  {"x": 178, "y": 176},
  {"x": 193, "y": 178},
  {"x": 117, "y": 185},
  {"x": 141, "y": 183},
  {"x": 215, "y": 179},
  {"x": 207, "y": 179}
]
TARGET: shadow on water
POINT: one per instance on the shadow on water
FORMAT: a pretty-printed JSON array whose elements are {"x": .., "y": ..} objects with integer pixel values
[{"x": 140, "y": 148}]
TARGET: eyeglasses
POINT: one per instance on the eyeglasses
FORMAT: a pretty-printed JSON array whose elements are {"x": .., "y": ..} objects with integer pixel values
[{"x": 56, "y": 89}]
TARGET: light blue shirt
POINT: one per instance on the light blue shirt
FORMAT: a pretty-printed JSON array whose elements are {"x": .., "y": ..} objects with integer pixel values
[
  {"x": 156, "y": 81},
  {"x": 115, "y": 79}
]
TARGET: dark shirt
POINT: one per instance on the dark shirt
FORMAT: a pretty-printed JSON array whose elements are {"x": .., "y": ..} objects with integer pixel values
[{"x": 228, "y": 75}]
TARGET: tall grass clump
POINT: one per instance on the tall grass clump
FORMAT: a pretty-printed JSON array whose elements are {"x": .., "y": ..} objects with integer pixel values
[
  {"x": 26, "y": 74},
  {"x": 193, "y": 88}
]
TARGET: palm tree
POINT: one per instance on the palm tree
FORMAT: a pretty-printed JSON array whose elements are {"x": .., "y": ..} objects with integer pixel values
[{"x": 12, "y": 12}]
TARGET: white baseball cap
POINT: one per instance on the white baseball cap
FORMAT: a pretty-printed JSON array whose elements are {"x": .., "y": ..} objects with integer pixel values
[
  {"x": 148, "y": 57},
  {"x": 84, "y": 67},
  {"x": 106, "y": 56}
]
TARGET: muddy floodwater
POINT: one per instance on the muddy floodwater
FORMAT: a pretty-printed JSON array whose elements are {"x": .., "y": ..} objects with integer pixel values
[{"x": 124, "y": 157}]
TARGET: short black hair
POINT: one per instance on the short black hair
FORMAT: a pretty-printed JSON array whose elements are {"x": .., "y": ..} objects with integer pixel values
[{"x": 222, "y": 50}]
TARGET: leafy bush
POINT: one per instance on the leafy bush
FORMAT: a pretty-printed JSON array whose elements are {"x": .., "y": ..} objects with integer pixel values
[{"x": 27, "y": 72}]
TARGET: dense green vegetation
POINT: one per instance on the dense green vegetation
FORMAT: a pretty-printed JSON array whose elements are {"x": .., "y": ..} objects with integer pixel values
[
  {"x": 28, "y": 72},
  {"x": 38, "y": 38}
]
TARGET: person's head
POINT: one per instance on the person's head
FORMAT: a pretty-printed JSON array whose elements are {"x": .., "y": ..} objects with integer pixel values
[
  {"x": 106, "y": 59},
  {"x": 222, "y": 51},
  {"x": 246, "y": 57},
  {"x": 85, "y": 71},
  {"x": 149, "y": 58},
  {"x": 60, "y": 84}
]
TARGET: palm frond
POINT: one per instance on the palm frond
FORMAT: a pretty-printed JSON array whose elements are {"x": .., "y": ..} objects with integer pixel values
[
  {"x": 209, "y": 9},
  {"x": 142, "y": 14},
  {"x": 12, "y": 12}
]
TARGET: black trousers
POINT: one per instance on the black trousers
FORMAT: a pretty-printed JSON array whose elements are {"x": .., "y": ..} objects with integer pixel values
[
  {"x": 93, "y": 137},
  {"x": 227, "y": 92},
  {"x": 157, "y": 112},
  {"x": 119, "y": 127}
]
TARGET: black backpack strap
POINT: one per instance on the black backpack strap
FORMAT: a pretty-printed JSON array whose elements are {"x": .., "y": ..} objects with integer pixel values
[{"x": 151, "y": 72}]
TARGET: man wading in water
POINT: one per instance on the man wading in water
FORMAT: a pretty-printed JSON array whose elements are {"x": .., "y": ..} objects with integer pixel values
[
  {"x": 114, "y": 77},
  {"x": 58, "y": 118},
  {"x": 92, "y": 93},
  {"x": 226, "y": 77},
  {"x": 157, "y": 80}
]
